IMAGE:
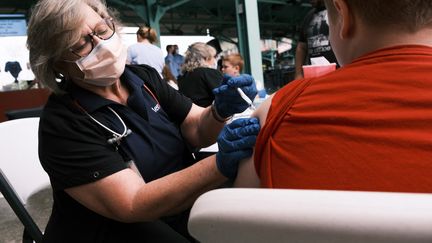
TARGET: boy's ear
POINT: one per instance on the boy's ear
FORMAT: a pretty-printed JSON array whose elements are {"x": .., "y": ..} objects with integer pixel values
[{"x": 346, "y": 18}]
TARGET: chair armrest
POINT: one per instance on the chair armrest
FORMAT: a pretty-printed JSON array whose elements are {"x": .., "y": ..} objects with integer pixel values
[{"x": 276, "y": 215}]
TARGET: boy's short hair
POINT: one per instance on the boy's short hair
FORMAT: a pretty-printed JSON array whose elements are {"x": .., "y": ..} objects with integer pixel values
[
  {"x": 409, "y": 15},
  {"x": 235, "y": 60}
]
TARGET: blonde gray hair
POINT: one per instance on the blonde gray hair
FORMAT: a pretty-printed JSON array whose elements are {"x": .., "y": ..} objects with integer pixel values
[
  {"x": 53, "y": 28},
  {"x": 196, "y": 56}
]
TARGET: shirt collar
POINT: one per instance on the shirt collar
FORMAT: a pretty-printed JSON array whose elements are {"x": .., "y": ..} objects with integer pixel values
[{"x": 92, "y": 102}]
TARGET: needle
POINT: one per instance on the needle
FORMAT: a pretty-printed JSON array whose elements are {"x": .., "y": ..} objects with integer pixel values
[{"x": 246, "y": 98}]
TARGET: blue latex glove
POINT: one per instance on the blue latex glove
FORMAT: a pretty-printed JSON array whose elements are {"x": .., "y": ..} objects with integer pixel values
[
  {"x": 227, "y": 100},
  {"x": 235, "y": 142}
]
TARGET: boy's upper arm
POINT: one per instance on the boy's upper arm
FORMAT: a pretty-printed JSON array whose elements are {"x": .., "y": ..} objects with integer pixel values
[{"x": 247, "y": 175}]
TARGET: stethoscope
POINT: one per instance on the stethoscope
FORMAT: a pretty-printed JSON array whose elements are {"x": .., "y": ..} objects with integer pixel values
[{"x": 117, "y": 137}]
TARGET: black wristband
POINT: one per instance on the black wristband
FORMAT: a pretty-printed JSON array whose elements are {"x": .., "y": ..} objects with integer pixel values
[{"x": 216, "y": 115}]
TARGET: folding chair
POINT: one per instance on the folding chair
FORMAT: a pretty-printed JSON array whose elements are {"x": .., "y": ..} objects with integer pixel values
[
  {"x": 21, "y": 174},
  {"x": 24, "y": 113},
  {"x": 311, "y": 216}
]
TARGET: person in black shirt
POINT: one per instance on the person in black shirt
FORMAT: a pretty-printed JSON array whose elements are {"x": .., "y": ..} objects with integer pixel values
[
  {"x": 313, "y": 38},
  {"x": 115, "y": 139},
  {"x": 200, "y": 75}
]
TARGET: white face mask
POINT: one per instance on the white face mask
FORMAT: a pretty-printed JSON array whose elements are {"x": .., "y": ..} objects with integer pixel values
[
  {"x": 105, "y": 63},
  {"x": 211, "y": 63},
  {"x": 215, "y": 65}
]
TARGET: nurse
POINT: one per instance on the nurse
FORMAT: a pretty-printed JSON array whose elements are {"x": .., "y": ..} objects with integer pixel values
[{"x": 115, "y": 140}]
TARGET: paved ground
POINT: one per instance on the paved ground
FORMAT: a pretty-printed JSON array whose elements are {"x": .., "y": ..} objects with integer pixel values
[{"x": 39, "y": 206}]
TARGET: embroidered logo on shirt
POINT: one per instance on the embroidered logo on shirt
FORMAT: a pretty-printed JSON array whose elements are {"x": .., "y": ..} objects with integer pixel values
[{"x": 156, "y": 108}]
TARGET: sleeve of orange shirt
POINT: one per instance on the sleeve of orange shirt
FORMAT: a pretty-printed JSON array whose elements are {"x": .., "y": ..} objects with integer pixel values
[
  {"x": 274, "y": 114},
  {"x": 248, "y": 174}
]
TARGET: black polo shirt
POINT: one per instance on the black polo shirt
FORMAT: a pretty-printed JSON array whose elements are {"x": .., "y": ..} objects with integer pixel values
[
  {"x": 199, "y": 83},
  {"x": 73, "y": 149}
]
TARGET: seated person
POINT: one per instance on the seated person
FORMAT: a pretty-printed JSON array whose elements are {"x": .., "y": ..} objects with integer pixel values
[
  {"x": 115, "y": 139},
  {"x": 366, "y": 126},
  {"x": 200, "y": 75}
]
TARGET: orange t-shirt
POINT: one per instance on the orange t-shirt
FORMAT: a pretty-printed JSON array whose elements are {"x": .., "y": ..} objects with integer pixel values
[{"x": 366, "y": 126}]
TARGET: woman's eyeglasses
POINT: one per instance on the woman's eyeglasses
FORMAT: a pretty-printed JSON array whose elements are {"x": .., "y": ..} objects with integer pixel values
[{"x": 104, "y": 30}]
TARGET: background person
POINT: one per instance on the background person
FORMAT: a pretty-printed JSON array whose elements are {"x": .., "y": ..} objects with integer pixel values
[
  {"x": 200, "y": 75},
  {"x": 365, "y": 126},
  {"x": 215, "y": 43},
  {"x": 174, "y": 60},
  {"x": 313, "y": 38},
  {"x": 145, "y": 52},
  {"x": 232, "y": 65},
  {"x": 169, "y": 78},
  {"x": 114, "y": 139}
]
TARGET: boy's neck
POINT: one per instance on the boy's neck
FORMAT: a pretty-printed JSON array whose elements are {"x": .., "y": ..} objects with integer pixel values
[{"x": 369, "y": 40}]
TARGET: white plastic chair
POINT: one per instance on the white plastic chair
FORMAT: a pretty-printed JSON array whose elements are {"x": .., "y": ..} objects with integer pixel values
[
  {"x": 311, "y": 216},
  {"x": 21, "y": 174}
]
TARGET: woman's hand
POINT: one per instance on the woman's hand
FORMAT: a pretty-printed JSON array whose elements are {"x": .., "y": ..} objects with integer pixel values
[
  {"x": 228, "y": 100},
  {"x": 236, "y": 142}
]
